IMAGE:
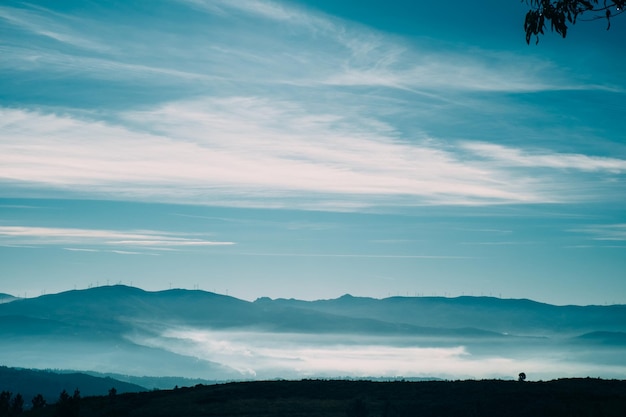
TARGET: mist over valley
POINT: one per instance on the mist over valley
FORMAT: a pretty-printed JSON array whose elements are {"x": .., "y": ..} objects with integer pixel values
[{"x": 197, "y": 334}]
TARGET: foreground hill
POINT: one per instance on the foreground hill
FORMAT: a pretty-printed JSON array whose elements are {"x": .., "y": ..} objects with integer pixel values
[{"x": 568, "y": 397}]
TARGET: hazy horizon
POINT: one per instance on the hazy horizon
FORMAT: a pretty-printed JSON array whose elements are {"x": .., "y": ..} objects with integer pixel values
[{"x": 261, "y": 296}]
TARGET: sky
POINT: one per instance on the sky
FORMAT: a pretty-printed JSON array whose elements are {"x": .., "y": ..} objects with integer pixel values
[{"x": 309, "y": 149}]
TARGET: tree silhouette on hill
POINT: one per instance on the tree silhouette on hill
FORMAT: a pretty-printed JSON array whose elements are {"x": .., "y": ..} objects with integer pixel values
[
  {"x": 38, "y": 402},
  {"x": 68, "y": 406},
  {"x": 11, "y": 407}
]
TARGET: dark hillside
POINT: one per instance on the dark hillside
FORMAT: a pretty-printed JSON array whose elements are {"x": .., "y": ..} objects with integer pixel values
[
  {"x": 567, "y": 397},
  {"x": 29, "y": 383}
]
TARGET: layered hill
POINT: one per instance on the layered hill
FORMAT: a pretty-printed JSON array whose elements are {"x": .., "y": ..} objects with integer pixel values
[
  {"x": 49, "y": 384},
  {"x": 116, "y": 308},
  {"x": 6, "y": 298},
  {"x": 197, "y": 334},
  {"x": 510, "y": 316}
]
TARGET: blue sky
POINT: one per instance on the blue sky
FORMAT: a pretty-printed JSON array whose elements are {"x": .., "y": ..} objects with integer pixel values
[{"x": 310, "y": 149}]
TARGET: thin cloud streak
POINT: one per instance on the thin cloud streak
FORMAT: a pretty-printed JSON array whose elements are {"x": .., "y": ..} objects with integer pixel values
[
  {"x": 521, "y": 158},
  {"x": 351, "y": 255},
  {"x": 606, "y": 232},
  {"x": 140, "y": 238},
  {"x": 43, "y": 22},
  {"x": 96, "y": 68}
]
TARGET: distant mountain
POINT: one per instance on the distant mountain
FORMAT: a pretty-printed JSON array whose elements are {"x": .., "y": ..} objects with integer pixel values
[
  {"x": 510, "y": 316},
  {"x": 29, "y": 383},
  {"x": 6, "y": 298},
  {"x": 196, "y": 334},
  {"x": 156, "y": 382},
  {"x": 116, "y": 309}
]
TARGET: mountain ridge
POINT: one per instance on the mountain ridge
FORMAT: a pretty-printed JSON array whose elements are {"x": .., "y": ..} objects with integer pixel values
[
  {"x": 119, "y": 306},
  {"x": 198, "y": 334}
]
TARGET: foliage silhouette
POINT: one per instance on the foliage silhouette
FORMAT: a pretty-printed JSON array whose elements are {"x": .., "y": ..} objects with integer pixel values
[
  {"x": 9, "y": 405},
  {"x": 68, "y": 406},
  {"x": 561, "y": 13},
  {"x": 38, "y": 402},
  {"x": 5, "y": 402},
  {"x": 17, "y": 405}
]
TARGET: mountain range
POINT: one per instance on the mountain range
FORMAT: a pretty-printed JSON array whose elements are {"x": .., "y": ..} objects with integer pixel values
[{"x": 126, "y": 330}]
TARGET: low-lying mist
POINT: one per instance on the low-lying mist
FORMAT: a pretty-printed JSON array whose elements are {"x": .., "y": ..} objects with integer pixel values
[{"x": 257, "y": 354}]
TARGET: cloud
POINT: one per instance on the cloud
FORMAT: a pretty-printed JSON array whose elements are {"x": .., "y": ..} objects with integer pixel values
[
  {"x": 352, "y": 255},
  {"x": 251, "y": 151},
  {"x": 517, "y": 157},
  {"x": 56, "y": 26},
  {"x": 303, "y": 116},
  {"x": 119, "y": 252},
  {"x": 358, "y": 56},
  {"x": 31, "y": 59},
  {"x": 606, "y": 232},
  {"x": 304, "y": 47},
  {"x": 244, "y": 149},
  {"x": 264, "y": 9},
  {"x": 99, "y": 237}
]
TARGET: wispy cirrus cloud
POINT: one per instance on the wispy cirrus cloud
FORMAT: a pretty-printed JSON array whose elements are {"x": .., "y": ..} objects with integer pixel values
[
  {"x": 101, "y": 237},
  {"x": 252, "y": 151},
  {"x": 337, "y": 52},
  {"x": 357, "y": 56},
  {"x": 354, "y": 255},
  {"x": 33, "y": 59},
  {"x": 605, "y": 232},
  {"x": 517, "y": 157},
  {"x": 303, "y": 139},
  {"x": 220, "y": 149},
  {"x": 52, "y": 25}
]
